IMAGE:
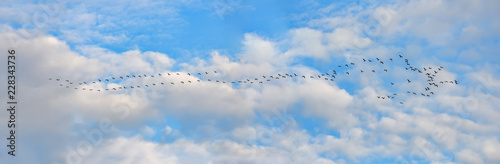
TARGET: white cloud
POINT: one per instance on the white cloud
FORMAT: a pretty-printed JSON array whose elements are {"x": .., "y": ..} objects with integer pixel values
[
  {"x": 206, "y": 111},
  {"x": 318, "y": 44},
  {"x": 491, "y": 149},
  {"x": 329, "y": 102},
  {"x": 468, "y": 156},
  {"x": 136, "y": 150}
]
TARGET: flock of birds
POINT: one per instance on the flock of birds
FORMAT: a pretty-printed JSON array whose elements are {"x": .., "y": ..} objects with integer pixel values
[{"x": 331, "y": 75}]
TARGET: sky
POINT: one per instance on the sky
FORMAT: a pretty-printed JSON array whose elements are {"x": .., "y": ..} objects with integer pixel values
[{"x": 292, "y": 120}]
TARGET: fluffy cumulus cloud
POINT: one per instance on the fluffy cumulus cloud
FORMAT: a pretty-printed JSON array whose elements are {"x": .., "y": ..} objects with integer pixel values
[{"x": 176, "y": 119}]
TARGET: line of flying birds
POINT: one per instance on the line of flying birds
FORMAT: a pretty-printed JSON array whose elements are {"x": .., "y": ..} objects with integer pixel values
[{"x": 429, "y": 72}]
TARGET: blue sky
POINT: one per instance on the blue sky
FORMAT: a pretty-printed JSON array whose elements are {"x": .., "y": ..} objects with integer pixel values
[{"x": 291, "y": 120}]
